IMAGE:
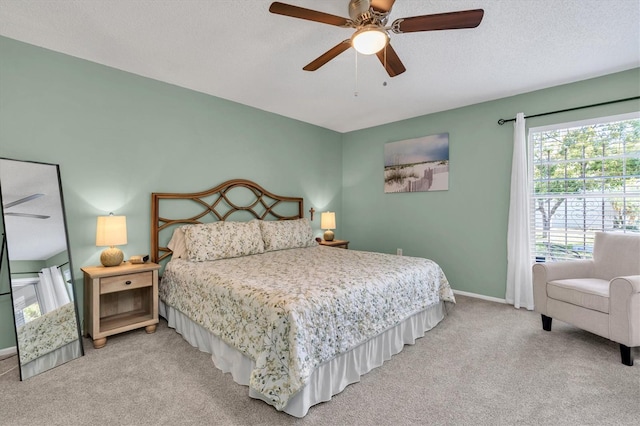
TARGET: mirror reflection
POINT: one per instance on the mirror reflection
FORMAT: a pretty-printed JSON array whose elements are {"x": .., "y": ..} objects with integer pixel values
[{"x": 39, "y": 266}]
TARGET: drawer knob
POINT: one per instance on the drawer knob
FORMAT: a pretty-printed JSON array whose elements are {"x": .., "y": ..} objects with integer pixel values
[{"x": 127, "y": 282}]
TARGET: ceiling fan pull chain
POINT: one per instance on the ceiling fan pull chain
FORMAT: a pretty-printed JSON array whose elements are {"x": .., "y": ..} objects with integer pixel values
[{"x": 355, "y": 92}]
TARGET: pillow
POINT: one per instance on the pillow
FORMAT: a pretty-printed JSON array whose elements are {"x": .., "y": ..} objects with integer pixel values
[
  {"x": 222, "y": 240},
  {"x": 177, "y": 244},
  {"x": 286, "y": 234}
]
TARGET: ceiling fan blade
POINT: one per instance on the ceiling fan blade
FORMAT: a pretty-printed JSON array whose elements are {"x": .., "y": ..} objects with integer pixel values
[
  {"x": 23, "y": 200},
  {"x": 383, "y": 6},
  {"x": 440, "y": 21},
  {"x": 328, "y": 55},
  {"x": 308, "y": 14},
  {"x": 390, "y": 60},
  {"x": 29, "y": 215}
]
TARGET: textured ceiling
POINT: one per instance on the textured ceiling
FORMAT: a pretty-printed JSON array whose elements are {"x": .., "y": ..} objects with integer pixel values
[
  {"x": 30, "y": 238},
  {"x": 239, "y": 51}
]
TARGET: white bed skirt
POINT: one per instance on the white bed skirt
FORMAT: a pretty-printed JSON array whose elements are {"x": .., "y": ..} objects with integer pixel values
[
  {"x": 53, "y": 359},
  {"x": 329, "y": 378}
]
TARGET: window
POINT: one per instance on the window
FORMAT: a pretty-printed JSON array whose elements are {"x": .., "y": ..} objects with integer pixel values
[
  {"x": 585, "y": 177},
  {"x": 25, "y": 300}
]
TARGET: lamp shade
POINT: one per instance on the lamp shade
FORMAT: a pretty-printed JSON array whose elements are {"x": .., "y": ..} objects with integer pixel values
[
  {"x": 111, "y": 231},
  {"x": 369, "y": 40},
  {"x": 328, "y": 220}
]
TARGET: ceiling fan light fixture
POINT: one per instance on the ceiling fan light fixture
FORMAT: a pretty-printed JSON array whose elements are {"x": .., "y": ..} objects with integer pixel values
[
  {"x": 369, "y": 40},
  {"x": 369, "y": 18}
]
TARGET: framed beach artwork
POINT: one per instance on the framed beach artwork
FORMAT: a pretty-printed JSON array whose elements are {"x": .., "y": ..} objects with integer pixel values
[{"x": 417, "y": 165}]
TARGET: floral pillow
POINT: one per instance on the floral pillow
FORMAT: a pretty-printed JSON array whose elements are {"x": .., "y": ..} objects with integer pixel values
[
  {"x": 286, "y": 234},
  {"x": 222, "y": 240}
]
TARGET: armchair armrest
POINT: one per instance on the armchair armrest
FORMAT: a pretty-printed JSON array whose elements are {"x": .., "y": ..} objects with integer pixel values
[
  {"x": 545, "y": 272},
  {"x": 581, "y": 268},
  {"x": 624, "y": 310}
]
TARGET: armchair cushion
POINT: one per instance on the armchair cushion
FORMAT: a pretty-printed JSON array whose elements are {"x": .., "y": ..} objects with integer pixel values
[{"x": 590, "y": 293}]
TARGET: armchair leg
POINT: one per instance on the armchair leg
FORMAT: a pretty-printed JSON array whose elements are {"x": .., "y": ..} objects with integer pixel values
[
  {"x": 625, "y": 353},
  {"x": 546, "y": 323}
]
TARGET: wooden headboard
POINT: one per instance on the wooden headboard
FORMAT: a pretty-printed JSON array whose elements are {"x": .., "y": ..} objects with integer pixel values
[{"x": 239, "y": 198}]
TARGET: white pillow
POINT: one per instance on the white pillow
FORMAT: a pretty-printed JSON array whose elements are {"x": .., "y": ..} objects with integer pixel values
[
  {"x": 286, "y": 234},
  {"x": 177, "y": 244},
  {"x": 222, "y": 240}
]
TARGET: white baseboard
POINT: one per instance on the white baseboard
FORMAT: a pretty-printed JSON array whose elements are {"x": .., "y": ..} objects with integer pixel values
[
  {"x": 8, "y": 351},
  {"x": 480, "y": 296}
]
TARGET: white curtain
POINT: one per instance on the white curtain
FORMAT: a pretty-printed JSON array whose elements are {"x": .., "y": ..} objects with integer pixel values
[
  {"x": 51, "y": 289},
  {"x": 519, "y": 277}
]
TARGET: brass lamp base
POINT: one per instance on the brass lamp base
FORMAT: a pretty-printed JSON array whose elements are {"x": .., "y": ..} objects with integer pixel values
[
  {"x": 328, "y": 235},
  {"x": 112, "y": 256}
]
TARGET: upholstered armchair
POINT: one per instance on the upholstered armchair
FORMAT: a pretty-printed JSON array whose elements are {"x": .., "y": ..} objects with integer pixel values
[{"x": 600, "y": 295}]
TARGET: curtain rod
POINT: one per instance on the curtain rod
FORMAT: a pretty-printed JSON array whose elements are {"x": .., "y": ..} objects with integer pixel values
[
  {"x": 502, "y": 120},
  {"x": 37, "y": 272}
]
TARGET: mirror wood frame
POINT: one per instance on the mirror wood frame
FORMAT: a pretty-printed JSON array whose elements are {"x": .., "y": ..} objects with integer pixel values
[{"x": 51, "y": 347}]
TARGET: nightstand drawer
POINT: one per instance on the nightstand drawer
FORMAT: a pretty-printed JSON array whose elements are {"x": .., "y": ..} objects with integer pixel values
[{"x": 126, "y": 282}]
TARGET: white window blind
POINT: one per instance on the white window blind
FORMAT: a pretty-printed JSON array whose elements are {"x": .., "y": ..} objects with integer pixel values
[{"x": 585, "y": 177}]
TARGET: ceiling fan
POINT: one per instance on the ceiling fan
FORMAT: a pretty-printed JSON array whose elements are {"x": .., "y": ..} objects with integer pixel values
[
  {"x": 20, "y": 201},
  {"x": 369, "y": 18}
]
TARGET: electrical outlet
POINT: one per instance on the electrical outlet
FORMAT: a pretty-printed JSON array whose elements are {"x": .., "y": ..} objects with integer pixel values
[{"x": 399, "y": 252}]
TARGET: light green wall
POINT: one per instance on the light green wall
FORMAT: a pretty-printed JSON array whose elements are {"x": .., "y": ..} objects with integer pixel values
[
  {"x": 57, "y": 259},
  {"x": 464, "y": 229},
  {"x": 118, "y": 137},
  {"x": 26, "y": 268}
]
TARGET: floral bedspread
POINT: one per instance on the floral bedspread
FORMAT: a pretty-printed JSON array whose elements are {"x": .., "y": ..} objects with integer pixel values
[
  {"x": 291, "y": 310},
  {"x": 47, "y": 333}
]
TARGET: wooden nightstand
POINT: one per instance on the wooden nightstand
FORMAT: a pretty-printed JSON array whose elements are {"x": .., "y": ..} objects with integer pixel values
[
  {"x": 120, "y": 298},
  {"x": 335, "y": 243}
]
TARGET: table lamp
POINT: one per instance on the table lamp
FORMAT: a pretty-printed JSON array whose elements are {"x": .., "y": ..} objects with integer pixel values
[
  {"x": 328, "y": 222},
  {"x": 111, "y": 231}
]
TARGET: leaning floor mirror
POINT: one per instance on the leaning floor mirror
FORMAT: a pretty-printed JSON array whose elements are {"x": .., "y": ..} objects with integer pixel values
[{"x": 39, "y": 266}]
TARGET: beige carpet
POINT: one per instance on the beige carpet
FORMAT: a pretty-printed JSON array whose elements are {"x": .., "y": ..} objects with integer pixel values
[{"x": 485, "y": 364}]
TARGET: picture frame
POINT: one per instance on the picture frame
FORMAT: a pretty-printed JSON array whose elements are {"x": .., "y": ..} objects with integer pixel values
[{"x": 417, "y": 165}]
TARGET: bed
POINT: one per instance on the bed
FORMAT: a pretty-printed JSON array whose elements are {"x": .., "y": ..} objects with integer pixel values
[
  {"x": 245, "y": 280},
  {"x": 48, "y": 341}
]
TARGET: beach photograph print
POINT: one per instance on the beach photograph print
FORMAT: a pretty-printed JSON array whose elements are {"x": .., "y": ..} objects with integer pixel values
[{"x": 417, "y": 165}]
